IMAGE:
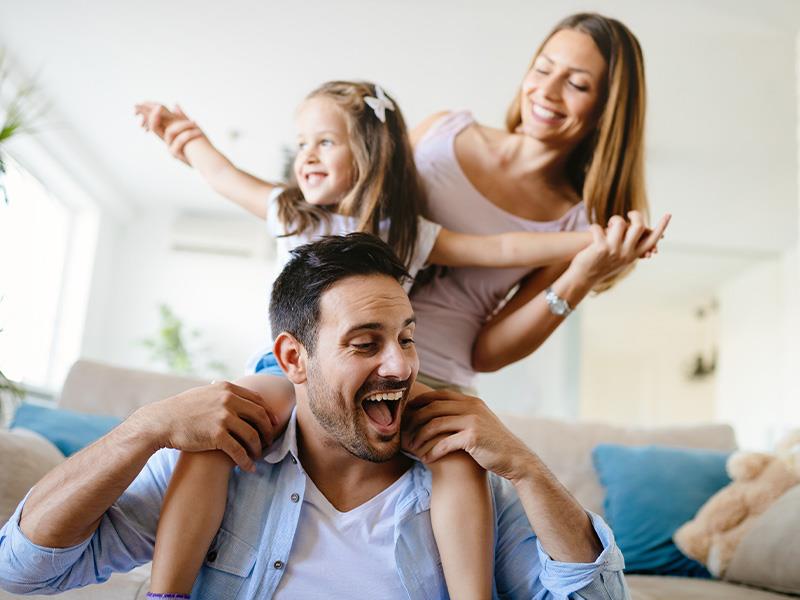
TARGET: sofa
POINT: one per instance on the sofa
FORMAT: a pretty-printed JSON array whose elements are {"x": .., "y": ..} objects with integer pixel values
[{"x": 96, "y": 388}]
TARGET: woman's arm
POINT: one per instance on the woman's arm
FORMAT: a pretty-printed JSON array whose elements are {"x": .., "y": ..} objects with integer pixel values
[
  {"x": 187, "y": 142},
  {"x": 515, "y": 249},
  {"x": 525, "y": 322}
]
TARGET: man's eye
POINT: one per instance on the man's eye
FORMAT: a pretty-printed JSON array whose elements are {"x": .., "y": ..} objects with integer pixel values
[
  {"x": 407, "y": 342},
  {"x": 364, "y": 346}
]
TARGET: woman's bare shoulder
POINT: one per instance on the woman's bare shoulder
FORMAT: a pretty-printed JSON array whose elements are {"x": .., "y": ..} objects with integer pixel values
[{"x": 425, "y": 125}]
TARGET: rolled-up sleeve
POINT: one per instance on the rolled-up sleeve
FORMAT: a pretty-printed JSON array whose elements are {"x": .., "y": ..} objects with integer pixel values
[
  {"x": 524, "y": 570},
  {"x": 123, "y": 540},
  {"x": 601, "y": 579}
]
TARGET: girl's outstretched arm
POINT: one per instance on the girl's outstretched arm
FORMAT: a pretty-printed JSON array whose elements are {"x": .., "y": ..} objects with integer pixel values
[
  {"x": 187, "y": 142},
  {"x": 196, "y": 496},
  {"x": 513, "y": 249}
]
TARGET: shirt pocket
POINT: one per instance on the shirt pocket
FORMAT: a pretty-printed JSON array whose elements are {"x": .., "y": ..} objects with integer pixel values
[{"x": 228, "y": 563}]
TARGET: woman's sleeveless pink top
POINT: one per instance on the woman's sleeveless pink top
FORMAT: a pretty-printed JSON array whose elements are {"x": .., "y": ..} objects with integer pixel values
[{"x": 450, "y": 310}]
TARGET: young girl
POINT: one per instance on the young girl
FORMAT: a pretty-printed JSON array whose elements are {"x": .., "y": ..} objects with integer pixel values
[{"x": 354, "y": 171}]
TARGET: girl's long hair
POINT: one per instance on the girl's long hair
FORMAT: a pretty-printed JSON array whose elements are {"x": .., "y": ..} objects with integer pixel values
[
  {"x": 386, "y": 184},
  {"x": 607, "y": 168}
]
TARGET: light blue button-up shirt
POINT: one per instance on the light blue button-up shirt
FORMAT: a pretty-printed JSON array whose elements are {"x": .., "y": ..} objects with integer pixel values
[{"x": 248, "y": 556}]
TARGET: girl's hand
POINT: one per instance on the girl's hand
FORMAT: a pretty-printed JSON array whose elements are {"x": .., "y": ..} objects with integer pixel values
[
  {"x": 155, "y": 117},
  {"x": 618, "y": 246},
  {"x": 174, "y": 127}
]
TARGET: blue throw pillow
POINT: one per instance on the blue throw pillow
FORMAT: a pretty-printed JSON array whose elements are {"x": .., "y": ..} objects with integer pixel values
[
  {"x": 69, "y": 431},
  {"x": 650, "y": 492}
]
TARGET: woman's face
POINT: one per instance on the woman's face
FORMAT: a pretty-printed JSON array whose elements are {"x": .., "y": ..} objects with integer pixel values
[{"x": 563, "y": 91}]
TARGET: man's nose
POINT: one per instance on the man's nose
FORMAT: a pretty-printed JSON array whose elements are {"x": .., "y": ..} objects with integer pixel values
[{"x": 397, "y": 362}]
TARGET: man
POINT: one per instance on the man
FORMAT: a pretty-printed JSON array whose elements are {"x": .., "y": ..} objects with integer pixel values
[{"x": 345, "y": 332}]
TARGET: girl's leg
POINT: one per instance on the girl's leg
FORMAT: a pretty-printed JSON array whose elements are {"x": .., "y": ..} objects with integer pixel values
[
  {"x": 463, "y": 525},
  {"x": 190, "y": 517}
]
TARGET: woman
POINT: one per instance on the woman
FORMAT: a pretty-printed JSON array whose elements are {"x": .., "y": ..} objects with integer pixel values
[{"x": 571, "y": 154}]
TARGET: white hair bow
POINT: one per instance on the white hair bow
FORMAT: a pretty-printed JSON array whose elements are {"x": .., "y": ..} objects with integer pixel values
[{"x": 379, "y": 104}]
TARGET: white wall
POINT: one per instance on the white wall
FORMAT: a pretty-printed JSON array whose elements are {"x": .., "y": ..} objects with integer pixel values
[
  {"x": 225, "y": 297},
  {"x": 545, "y": 383},
  {"x": 757, "y": 389},
  {"x": 635, "y": 363}
]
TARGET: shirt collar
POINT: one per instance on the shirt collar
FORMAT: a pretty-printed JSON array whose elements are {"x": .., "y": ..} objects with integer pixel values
[{"x": 286, "y": 444}]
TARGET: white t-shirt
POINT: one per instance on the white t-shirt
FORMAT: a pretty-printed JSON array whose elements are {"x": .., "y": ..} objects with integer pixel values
[
  {"x": 427, "y": 233},
  {"x": 347, "y": 556}
]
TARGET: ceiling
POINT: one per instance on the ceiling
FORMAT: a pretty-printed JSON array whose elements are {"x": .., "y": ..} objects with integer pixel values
[{"x": 722, "y": 112}]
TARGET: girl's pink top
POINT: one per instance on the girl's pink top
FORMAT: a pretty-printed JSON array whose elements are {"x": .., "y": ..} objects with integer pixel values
[{"x": 450, "y": 310}]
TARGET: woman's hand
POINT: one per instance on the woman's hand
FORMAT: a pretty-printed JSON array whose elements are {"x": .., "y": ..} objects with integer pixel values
[
  {"x": 618, "y": 246},
  {"x": 172, "y": 126}
]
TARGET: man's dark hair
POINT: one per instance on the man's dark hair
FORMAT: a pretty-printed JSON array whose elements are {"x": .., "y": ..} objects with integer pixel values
[{"x": 314, "y": 268}]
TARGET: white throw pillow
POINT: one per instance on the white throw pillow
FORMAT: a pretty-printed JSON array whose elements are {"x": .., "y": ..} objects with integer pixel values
[{"x": 26, "y": 457}]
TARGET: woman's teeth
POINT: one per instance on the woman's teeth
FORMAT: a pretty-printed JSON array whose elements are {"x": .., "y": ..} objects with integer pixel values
[{"x": 545, "y": 113}]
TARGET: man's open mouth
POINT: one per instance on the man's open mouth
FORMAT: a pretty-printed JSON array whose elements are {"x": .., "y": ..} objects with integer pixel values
[{"x": 382, "y": 407}]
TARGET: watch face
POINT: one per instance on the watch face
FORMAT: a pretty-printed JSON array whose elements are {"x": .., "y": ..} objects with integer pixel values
[{"x": 558, "y": 306}]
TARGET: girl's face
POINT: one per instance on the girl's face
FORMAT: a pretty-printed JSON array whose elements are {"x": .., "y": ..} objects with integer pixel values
[
  {"x": 563, "y": 91},
  {"x": 324, "y": 162}
]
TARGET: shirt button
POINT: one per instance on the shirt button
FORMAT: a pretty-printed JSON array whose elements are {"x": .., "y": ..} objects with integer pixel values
[
  {"x": 211, "y": 556},
  {"x": 295, "y": 497},
  {"x": 294, "y": 460},
  {"x": 278, "y": 564}
]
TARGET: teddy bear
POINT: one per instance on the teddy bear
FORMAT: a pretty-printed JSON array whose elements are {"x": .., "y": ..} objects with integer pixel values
[{"x": 758, "y": 479}]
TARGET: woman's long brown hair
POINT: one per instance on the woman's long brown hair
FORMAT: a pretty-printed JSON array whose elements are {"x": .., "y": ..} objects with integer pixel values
[
  {"x": 386, "y": 184},
  {"x": 607, "y": 168}
]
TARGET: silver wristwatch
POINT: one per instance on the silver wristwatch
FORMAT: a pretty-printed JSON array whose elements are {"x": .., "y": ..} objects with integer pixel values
[{"x": 557, "y": 305}]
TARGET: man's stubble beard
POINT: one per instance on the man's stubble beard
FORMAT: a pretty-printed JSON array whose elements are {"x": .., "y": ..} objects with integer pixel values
[{"x": 342, "y": 420}]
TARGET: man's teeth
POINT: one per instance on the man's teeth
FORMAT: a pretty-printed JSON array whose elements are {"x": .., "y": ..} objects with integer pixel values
[
  {"x": 545, "y": 113},
  {"x": 384, "y": 396}
]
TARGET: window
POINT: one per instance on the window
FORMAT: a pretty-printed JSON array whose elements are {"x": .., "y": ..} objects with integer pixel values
[{"x": 34, "y": 240}]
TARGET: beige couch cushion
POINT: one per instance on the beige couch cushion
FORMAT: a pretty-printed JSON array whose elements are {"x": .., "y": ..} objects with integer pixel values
[
  {"x": 566, "y": 447},
  {"x": 769, "y": 554},
  {"x": 653, "y": 587},
  {"x": 27, "y": 458},
  {"x": 100, "y": 389}
]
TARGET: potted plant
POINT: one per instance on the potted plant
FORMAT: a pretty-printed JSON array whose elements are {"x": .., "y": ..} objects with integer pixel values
[
  {"x": 16, "y": 117},
  {"x": 175, "y": 349}
]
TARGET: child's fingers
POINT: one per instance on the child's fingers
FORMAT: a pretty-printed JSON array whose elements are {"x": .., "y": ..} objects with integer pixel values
[
  {"x": 176, "y": 128},
  {"x": 179, "y": 111},
  {"x": 180, "y": 141},
  {"x": 154, "y": 119}
]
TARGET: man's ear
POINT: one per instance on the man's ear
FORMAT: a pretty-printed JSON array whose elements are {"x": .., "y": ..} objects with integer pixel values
[{"x": 291, "y": 356}]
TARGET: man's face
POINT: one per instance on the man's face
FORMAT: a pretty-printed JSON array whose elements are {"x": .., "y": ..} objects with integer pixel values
[{"x": 361, "y": 372}]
